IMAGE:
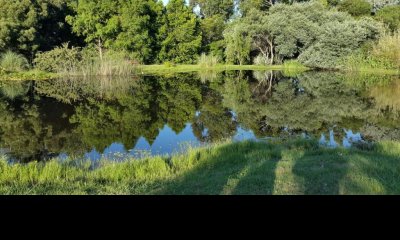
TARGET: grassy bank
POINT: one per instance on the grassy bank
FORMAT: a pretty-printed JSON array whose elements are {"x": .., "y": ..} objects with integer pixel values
[
  {"x": 375, "y": 71},
  {"x": 27, "y": 75},
  {"x": 290, "y": 68},
  {"x": 162, "y": 69},
  {"x": 297, "y": 167},
  {"x": 157, "y": 69}
]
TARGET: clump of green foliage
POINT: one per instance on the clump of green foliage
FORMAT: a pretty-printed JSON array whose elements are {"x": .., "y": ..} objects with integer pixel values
[
  {"x": 390, "y": 16},
  {"x": 381, "y": 54},
  {"x": 388, "y": 47},
  {"x": 59, "y": 60},
  {"x": 13, "y": 62},
  {"x": 29, "y": 26},
  {"x": 314, "y": 34},
  {"x": 356, "y": 8},
  {"x": 338, "y": 40}
]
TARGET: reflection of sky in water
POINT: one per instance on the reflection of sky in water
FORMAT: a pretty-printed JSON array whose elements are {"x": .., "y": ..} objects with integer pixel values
[
  {"x": 167, "y": 142},
  {"x": 347, "y": 141}
]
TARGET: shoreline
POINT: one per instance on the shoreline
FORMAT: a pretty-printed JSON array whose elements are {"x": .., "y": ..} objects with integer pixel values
[
  {"x": 36, "y": 75},
  {"x": 295, "y": 167}
]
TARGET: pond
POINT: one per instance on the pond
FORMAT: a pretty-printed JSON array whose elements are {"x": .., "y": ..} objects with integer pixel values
[{"x": 150, "y": 115}]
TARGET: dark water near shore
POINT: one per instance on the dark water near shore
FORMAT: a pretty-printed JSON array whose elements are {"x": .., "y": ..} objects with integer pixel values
[{"x": 150, "y": 115}]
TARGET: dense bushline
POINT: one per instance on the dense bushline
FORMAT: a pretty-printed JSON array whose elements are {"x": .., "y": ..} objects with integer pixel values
[{"x": 317, "y": 33}]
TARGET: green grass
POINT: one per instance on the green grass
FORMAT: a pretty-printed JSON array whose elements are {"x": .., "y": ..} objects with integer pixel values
[
  {"x": 27, "y": 75},
  {"x": 292, "y": 68},
  {"x": 296, "y": 167},
  {"x": 376, "y": 71},
  {"x": 157, "y": 69}
]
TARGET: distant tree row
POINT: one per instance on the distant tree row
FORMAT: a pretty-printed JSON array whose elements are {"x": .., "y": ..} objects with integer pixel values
[{"x": 236, "y": 31}]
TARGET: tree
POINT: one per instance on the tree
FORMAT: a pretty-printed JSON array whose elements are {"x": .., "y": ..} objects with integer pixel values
[
  {"x": 214, "y": 14},
  {"x": 140, "y": 21},
  {"x": 259, "y": 28},
  {"x": 28, "y": 26},
  {"x": 97, "y": 21},
  {"x": 212, "y": 29},
  {"x": 296, "y": 27},
  {"x": 181, "y": 38},
  {"x": 262, "y": 5},
  {"x": 356, "y": 8},
  {"x": 238, "y": 43},
  {"x": 390, "y": 16},
  {"x": 53, "y": 30},
  {"x": 209, "y": 8}
]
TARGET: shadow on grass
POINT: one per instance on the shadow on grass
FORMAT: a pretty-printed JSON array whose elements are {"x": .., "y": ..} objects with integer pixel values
[
  {"x": 302, "y": 168},
  {"x": 222, "y": 171}
]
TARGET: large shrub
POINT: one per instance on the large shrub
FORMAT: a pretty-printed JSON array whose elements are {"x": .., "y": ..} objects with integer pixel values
[
  {"x": 59, "y": 60},
  {"x": 338, "y": 40}
]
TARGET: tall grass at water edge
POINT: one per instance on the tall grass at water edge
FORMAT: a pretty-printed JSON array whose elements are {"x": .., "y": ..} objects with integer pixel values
[
  {"x": 296, "y": 167},
  {"x": 13, "y": 62},
  {"x": 380, "y": 56},
  {"x": 208, "y": 60}
]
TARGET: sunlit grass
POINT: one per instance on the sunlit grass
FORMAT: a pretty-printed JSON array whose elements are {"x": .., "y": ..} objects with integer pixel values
[
  {"x": 158, "y": 69},
  {"x": 28, "y": 75}
]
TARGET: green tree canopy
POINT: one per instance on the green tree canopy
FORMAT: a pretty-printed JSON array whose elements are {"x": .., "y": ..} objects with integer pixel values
[
  {"x": 238, "y": 43},
  {"x": 140, "y": 21},
  {"x": 337, "y": 40},
  {"x": 209, "y": 8},
  {"x": 356, "y": 8},
  {"x": 28, "y": 26},
  {"x": 97, "y": 21},
  {"x": 181, "y": 38}
]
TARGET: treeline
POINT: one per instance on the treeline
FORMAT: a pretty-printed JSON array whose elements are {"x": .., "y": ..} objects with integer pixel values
[{"x": 319, "y": 33}]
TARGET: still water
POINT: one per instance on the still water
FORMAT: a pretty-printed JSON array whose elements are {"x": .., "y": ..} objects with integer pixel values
[{"x": 151, "y": 115}]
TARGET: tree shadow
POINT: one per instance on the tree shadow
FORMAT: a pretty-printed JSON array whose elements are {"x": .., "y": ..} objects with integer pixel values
[
  {"x": 222, "y": 171},
  {"x": 321, "y": 171},
  {"x": 378, "y": 170},
  {"x": 252, "y": 168},
  {"x": 348, "y": 171}
]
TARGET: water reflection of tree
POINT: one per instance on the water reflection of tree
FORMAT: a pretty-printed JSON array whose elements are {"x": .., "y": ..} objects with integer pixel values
[
  {"x": 387, "y": 97},
  {"x": 34, "y": 129},
  {"x": 214, "y": 121},
  {"x": 247, "y": 96},
  {"x": 141, "y": 111},
  {"x": 311, "y": 102},
  {"x": 73, "y": 116}
]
